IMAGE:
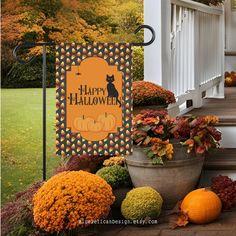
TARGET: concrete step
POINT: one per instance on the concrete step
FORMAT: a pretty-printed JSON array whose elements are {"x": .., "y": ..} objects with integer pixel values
[
  {"x": 228, "y": 136},
  {"x": 227, "y": 121},
  {"x": 222, "y": 159},
  {"x": 225, "y": 109},
  {"x": 222, "y": 162}
]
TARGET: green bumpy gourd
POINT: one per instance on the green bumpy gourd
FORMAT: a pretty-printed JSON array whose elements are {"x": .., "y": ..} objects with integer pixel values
[
  {"x": 141, "y": 203},
  {"x": 116, "y": 176}
]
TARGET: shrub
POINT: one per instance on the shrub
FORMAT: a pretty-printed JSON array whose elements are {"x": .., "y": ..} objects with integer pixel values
[
  {"x": 141, "y": 203},
  {"x": 30, "y": 75},
  {"x": 147, "y": 93},
  {"x": 116, "y": 176},
  {"x": 138, "y": 63},
  {"x": 71, "y": 199},
  {"x": 17, "y": 216}
]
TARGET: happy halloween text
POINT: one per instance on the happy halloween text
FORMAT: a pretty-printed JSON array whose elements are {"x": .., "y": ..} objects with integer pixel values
[{"x": 91, "y": 96}]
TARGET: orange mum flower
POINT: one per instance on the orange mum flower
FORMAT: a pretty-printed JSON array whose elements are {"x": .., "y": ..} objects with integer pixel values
[
  {"x": 71, "y": 199},
  {"x": 147, "y": 93}
]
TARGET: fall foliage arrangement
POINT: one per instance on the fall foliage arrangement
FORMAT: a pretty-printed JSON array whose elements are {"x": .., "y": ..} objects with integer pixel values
[
  {"x": 151, "y": 130},
  {"x": 71, "y": 199},
  {"x": 154, "y": 130}
]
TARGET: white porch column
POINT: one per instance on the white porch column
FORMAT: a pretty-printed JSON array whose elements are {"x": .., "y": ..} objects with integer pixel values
[
  {"x": 157, "y": 56},
  {"x": 218, "y": 91}
]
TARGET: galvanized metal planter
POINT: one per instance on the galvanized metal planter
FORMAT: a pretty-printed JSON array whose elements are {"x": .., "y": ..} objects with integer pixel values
[{"x": 173, "y": 180}]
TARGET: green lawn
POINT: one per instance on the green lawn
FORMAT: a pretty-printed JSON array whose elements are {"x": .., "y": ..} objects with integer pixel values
[{"x": 21, "y": 138}]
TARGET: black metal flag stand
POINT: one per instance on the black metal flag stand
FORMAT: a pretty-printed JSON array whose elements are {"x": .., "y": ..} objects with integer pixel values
[{"x": 44, "y": 47}]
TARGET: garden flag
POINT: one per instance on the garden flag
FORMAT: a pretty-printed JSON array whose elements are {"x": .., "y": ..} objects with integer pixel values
[{"x": 93, "y": 99}]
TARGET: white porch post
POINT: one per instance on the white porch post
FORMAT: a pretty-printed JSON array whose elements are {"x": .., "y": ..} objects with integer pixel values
[
  {"x": 218, "y": 91},
  {"x": 157, "y": 56}
]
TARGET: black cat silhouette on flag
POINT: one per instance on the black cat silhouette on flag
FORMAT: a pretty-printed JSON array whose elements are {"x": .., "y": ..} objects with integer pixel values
[{"x": 112, "y": 91}]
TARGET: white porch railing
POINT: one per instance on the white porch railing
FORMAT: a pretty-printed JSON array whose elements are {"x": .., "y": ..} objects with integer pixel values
[{"x": 188, "y": 55}]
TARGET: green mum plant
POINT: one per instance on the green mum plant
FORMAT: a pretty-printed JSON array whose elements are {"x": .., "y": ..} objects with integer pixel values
[
  {"x": 116, "y": 176},
  {"x": 141, "y": 203}
]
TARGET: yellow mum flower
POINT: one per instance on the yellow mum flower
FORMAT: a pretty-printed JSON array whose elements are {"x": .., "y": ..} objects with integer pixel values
[
  {"x": 117, "y": 160},
  {"x": 211, "y": 120},
  {"x": 169, "y": 151}
]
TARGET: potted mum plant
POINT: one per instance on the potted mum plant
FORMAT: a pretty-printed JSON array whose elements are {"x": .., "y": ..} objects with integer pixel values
[
  {"x": 169, "y": 153},
  {"x": 150, "y": 96}
]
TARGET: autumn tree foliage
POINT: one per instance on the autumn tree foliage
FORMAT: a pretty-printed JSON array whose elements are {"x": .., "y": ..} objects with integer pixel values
[{"x": 62, "y": 20}]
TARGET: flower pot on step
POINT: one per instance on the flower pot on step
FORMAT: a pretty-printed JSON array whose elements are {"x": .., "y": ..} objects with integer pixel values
[{"x": 173, "y": 180}]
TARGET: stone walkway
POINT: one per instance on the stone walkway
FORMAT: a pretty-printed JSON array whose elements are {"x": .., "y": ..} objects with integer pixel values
[{"x": 224, "y": 226}]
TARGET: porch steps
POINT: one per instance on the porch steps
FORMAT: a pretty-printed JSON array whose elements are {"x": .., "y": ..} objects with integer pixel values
[
  {"x": 226, "y": 122},
  {"x": 222, "y": 159},
  {"x": 222, "y": 162},
  {"x": 225, "y": 157}
]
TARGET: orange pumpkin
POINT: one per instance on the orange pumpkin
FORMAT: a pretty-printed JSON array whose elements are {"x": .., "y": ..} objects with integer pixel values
[
  {"x": 228, "y": 81},
  {"x": 202, "y": 206},
  {"x": 81, "y": 123},
  {"x": 94, "y": 126},
  {"x": 108, "y": 121},
  {"x": 233, "y": 77}
]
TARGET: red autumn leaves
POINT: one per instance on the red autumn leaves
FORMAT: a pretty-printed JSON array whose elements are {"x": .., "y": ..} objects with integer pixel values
[{"x": 154, "y": 128}]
